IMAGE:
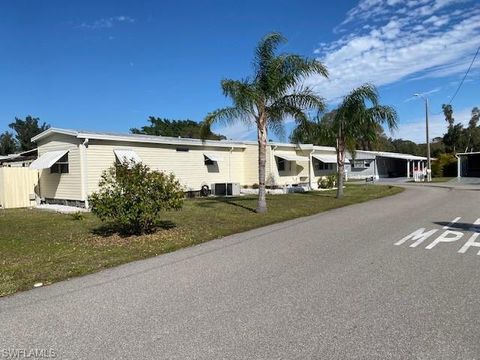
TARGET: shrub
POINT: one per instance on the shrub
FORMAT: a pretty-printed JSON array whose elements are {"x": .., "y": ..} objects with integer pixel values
[
  {"x": 132, "y": 197},
  {"x": 327, "y": 182},
  {"x": 255, "y": 186},
  {"x": 445, "y": 165},
  {"x": 331, "y": 181}
]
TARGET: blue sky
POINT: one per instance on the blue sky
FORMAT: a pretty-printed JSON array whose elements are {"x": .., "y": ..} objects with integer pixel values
[{"x": 108, "y": 65}]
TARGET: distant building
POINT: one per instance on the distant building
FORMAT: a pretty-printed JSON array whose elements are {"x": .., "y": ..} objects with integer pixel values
[{"x": 23, "y": 159}]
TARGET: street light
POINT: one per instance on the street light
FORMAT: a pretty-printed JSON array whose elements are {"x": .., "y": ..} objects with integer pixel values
[{"x": 429, "y": 165}]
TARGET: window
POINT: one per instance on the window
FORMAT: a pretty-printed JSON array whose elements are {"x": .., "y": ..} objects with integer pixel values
[
  {"x": 61, "y": 166},
  {"x": 183, "y": 149},
  {"x": 360, "y": 164},
  {"x": 209, "y": 162},
  {"x": 324, "y": 166},
  {"x": 281, "y": 164}
]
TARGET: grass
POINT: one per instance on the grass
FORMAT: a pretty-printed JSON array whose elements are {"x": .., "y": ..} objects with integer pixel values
[
  {"x": 441, "y": 179},
  {"x": 38, "y": 246}
]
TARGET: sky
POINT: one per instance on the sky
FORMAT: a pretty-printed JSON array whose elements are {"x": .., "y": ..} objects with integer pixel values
[{"x": 109, "y": 65}]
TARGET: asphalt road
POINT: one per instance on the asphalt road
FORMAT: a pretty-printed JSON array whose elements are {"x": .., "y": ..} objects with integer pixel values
[{"x": 330, "y": 286}]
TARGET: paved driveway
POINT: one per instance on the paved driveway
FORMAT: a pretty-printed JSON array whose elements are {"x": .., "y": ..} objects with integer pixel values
[{"x": 331, "y": 286}]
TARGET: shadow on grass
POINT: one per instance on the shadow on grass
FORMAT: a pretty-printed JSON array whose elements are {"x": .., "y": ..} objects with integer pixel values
[
  {"x": 233, "y": 201},
  {"x": 107, "y": 230}
]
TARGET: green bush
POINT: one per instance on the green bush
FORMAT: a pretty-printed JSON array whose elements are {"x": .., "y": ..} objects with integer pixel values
[
  {"x": 323, "y": 183},
  {"x": 255, "y": 186},
  {"x": 445, "y": 165},
  {"x": 327, "y": 182},
  {"x": 331, "y": 181},
  {"x": 132, "y": 197}
]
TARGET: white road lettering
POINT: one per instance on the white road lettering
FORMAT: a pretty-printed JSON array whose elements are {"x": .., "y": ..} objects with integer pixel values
[
  {"x": 471, "y": 242},
  {"x": 418, "y": 236},
  {"x": 445, "y": 237},
  {"x": 446, "y": 227}
]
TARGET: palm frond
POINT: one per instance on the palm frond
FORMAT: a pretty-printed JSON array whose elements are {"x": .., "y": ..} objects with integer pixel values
[
  {"x": 265, "y": 51},
  {"x": 226, "y": 115},
  {"x": 242, "y": 92},
  {"x": 303, "y": 99},
  {"x": 287, "y": 71},
  {"x": 385, "y": 115},
  {"x": 277, "y": 127},
  {"x": 360, "y": 95}
]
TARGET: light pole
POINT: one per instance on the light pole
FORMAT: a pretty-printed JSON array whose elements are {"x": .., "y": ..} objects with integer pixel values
[{"x": 429, "y": 164}]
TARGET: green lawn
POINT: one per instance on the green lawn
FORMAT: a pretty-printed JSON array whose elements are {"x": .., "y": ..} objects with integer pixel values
[
  {"x": 441, "y": 179},
  {"x": 39, "y": 246}
]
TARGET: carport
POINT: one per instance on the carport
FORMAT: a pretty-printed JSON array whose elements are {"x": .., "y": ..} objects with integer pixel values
[
  {"x": 394, "y": 165},
  {"x": 468, "y": 164}
]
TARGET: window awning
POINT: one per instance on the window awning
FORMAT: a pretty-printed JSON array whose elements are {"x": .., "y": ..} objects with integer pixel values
[
  {"x": 212, "y": 157},
  {"x": 328, "y": 159},
  {"x": 291, "y": 157},
  {"x": 125, "y": 154},
  {"x": 46, "y": 160}
]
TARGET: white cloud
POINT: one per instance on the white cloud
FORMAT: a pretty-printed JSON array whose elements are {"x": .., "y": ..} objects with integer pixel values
[
  {"x": 415, "y": 129},
  {"x": 404, "y": 39},
  {"x": 106, "y": 23}
]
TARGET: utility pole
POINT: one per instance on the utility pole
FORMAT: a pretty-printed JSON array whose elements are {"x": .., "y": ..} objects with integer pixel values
[{"x": 429, "y": 162}]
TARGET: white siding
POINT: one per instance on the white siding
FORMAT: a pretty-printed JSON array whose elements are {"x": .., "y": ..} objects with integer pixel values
[
  {"x": 61, "y": 186},
  {"x": 294, "y": 173},
  {"x": 189, "y": 167},
  {"x": 250, "y": 161}
]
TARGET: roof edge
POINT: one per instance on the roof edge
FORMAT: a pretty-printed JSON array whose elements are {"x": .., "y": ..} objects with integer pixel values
[{"x": 53, "y": 130}]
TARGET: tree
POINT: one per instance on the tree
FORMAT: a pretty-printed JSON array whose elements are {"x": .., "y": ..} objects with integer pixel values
[
  {"x": 8, "y": 145},
  {"x": 406, "y": 147},
  {"x": 454, "y": 138},
  {"x": 353, "y": 120},
  {"x": 475, "y": 118},
  {"x": 271, "y": 95},
  {"x": 472, "y": 132},
  {"x": 132, "y": 197},
  {"x": 448, "y": 112},
  {"x": 299, "y": 136},
  {"x": 26, "y": 130},
  {"x": 175, "y": 128}
]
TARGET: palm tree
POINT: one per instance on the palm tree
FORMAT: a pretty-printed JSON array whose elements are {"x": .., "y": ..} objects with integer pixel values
[
  {"x": 274, "y": 93},
  {"x": 358, "y": 117},
  {"x": 355, "y": 119}
]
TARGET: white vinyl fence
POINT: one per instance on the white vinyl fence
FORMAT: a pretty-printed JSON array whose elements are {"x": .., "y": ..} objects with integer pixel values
[{"x": 17, "y": 187}]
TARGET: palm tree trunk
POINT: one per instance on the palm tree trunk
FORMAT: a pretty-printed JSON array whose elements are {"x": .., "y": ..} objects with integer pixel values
[
  {"x": 340, "y": 167},
  {"x": 262, "y": 160}
]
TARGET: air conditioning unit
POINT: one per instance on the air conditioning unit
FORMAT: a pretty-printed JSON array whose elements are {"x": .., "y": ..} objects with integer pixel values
[{"x": 226, "y": 189}]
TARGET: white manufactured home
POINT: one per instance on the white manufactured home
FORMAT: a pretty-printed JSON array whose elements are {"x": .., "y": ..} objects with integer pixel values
[
  {"x": 382, "y": 164},
  {"x": 71, "y": 162}
]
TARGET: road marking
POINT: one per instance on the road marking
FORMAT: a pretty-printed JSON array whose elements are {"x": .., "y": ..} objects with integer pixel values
[
  {"x": 446, "y": 227},
  {"x": 470, "y": 242},
  {"x": 449, "y": 235},
  {"x": 418, "y": 236},
  {"x": 445, "y": 237}
]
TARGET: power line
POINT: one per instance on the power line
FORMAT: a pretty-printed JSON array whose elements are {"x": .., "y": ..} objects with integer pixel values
[
  {"x": 464, "y": 77},
  {"x": 463, "y": 80}
]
